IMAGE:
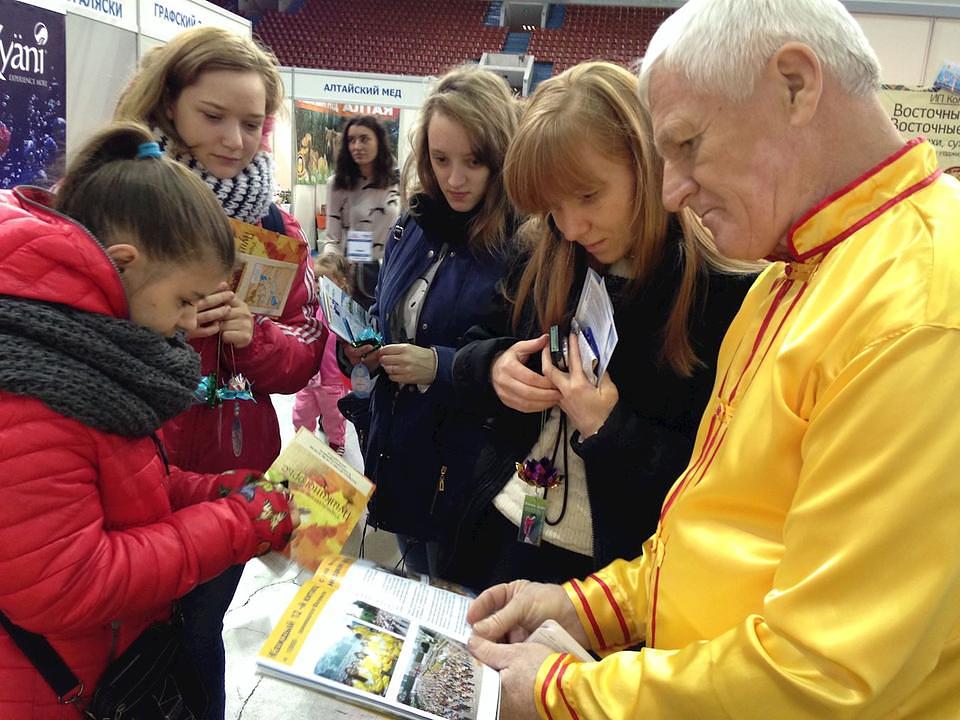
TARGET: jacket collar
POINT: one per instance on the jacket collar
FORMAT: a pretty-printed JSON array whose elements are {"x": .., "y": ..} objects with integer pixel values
[{"x": 840, "y": 215}]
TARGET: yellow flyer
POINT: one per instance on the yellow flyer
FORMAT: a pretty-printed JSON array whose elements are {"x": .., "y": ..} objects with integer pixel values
[{"x": 329, "y": 494}]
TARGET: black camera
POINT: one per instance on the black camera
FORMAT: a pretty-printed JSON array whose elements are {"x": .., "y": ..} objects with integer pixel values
[{"x": 558, "y": 348}]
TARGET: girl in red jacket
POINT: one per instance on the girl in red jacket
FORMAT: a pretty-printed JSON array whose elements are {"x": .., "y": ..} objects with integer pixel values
[
  {"x": 208, "y": 94},
  {"x": 99, "y": 533}
]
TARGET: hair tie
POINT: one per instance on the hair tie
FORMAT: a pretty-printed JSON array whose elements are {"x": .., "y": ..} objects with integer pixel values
[{"x": 148, "y": 150}]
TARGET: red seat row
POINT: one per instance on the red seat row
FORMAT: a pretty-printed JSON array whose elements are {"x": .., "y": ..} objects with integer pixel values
[{"x": 425, "y": 37}]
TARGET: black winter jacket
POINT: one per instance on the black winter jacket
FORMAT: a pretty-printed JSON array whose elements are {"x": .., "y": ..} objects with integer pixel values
[{"x": 646, "y": 441}]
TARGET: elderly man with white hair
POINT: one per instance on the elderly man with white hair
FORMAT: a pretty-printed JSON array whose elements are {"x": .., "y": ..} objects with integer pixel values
[{"x": 806, "y": 564}]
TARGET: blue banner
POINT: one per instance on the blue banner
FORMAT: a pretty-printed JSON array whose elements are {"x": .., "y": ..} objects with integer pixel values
[{"x": 32, "y": 94}]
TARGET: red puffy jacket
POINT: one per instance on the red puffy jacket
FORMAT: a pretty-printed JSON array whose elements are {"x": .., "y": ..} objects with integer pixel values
[
  {"x": 93, "y": 532},
  {"x": 284, "y": 354}
]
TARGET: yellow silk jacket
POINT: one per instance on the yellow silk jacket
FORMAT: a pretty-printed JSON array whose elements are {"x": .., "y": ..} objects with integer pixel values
[{"x": 807, "y": 563}]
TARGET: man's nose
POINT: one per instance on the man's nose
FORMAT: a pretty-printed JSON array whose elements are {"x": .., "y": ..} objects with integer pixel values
[{"x": 678, "y": 186}]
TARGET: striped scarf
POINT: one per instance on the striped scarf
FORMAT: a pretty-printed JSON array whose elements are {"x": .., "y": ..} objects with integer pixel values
[{"x": 247, "y": 196}]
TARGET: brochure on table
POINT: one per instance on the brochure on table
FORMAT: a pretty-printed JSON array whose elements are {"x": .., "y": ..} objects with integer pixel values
[{"x": 382, "y": 640}]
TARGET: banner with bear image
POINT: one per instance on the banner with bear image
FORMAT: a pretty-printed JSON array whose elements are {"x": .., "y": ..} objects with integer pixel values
[{"x": 32, "y": 95}]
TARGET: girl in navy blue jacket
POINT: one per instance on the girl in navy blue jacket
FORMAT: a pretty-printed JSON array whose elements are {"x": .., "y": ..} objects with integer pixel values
[{"x": 440, "y": 276}]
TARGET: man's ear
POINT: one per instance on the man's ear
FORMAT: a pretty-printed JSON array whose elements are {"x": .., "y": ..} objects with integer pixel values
[
  {"x": 123, "y": 255},
  {"x": 797, "y": 70}
]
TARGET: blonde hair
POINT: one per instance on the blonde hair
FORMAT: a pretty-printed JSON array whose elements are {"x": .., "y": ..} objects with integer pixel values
[
  {"x": 151, "y": 202},
  {"x": 484, "y": 106},
  {"x": 167, "y": 70},
  {"x": 596, "y": 104},
  {"x": 334, "y": 266}
]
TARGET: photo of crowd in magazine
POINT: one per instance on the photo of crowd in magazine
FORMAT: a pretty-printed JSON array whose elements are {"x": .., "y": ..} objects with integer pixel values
[
  {"x": 442, "y": 677},
  {"x": 381, "y": 618}
]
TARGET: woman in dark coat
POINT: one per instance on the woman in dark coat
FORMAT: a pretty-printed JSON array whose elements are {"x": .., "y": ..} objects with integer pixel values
[{"x": 440, "y": 276}]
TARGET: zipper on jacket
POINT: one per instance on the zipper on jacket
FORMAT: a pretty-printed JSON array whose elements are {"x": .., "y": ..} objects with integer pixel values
[
  {"x": 161, "y": 452},
  {"x": 441, "y": 487}
]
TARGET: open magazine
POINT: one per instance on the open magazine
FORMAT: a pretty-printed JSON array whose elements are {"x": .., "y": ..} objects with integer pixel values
[
  {"x": 329, "y": 493},
  {"x": 267, "y": 264},
  {"x": 346, "y": 317},
  {"x": 379, "y": 639}
]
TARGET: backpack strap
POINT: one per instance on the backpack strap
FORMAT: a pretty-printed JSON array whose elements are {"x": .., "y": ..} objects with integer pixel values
[{"x": 46, "y": 660}]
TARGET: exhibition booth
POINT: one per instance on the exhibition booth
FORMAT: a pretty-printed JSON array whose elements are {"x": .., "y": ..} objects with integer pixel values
[{"x": 63, "y": 64}]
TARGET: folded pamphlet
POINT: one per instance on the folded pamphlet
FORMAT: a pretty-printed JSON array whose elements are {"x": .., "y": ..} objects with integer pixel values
[
  {"x": 266, "y": 266},
  {"x": 328, "y": 492},
  {"x": 594, "y": 327},
  {"x": 346, "y": 317}
]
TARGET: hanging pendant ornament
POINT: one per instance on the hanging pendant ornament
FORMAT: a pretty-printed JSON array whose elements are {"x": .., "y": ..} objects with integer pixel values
[
  {"x": 539, "y": 473},
  {"x": 236, "y": 430},
  {"x": 238, "y": 388}
]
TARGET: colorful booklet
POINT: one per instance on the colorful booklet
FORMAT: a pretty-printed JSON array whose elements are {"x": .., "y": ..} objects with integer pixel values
[
  {"x": 384, "y": 641},
  {"x": 347, "y": 318},
  {"x": 267, "y": 264},
  {"x": 329, "y": 494}
]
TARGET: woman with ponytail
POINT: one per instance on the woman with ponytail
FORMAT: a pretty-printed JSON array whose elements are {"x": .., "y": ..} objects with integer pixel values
[
  {"x": 209, "y": 96},
  {"x": 99, "y": 533}
]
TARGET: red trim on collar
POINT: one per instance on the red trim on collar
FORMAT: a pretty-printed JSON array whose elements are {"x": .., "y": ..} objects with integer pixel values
[
  {"x": 908, "y": 146},
  {"x": 870, "y": 217}
]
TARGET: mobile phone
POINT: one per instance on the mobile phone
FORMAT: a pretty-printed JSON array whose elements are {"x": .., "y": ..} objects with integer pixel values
[{"x": 558, "y": 348}]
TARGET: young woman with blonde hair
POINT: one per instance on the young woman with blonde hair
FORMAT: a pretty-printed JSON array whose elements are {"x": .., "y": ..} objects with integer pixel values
[
  {"x": 582, "y": 165},
  {"x": 440, "y": 275},
  {"x": 209, "y": 95}
]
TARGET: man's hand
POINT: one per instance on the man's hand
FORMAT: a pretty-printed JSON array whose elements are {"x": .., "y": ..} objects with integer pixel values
[
  {"x": 518, "y": 665},
  {"x": 588, "y": 407},
  {"x": 408, "y": 364},
  {"x": 510, "y": 612},
  {"x": 519, "y": 387}
]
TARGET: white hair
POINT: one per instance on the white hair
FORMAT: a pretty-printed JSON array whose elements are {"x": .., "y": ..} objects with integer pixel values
[{"x": 721, "y": 46}]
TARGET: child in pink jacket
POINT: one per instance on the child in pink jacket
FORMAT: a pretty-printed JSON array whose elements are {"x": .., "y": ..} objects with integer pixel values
[{"x": 319, "y": 398}]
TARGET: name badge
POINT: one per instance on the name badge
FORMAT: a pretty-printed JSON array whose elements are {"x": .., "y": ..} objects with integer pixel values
[{"x": 359, "y": 246}]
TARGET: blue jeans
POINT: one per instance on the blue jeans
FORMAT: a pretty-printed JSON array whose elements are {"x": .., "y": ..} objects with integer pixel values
[
  {"x": 419, "y": 555},
  {"x": 203, "y": 610}
]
